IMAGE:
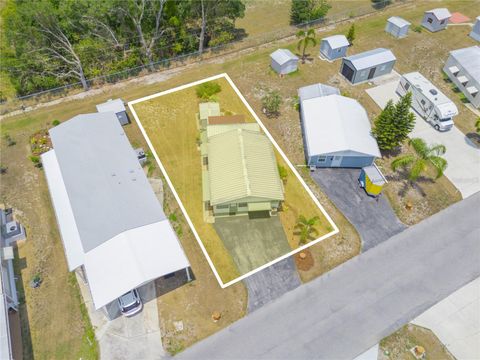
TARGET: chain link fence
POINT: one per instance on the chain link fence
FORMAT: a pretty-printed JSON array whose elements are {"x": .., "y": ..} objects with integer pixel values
[{"x": 209, "y": 53}]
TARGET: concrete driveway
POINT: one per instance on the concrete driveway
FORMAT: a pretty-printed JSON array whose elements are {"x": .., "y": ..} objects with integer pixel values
[
  {"x": 374, "y": 219},
  {"x": 462, "y": 155}
]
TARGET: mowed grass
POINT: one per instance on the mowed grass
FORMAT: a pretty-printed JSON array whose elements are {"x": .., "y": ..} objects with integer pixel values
[{"x": 170, "y": 123}]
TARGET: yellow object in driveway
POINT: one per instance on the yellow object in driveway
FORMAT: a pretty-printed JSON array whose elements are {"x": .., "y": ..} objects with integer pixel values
[{"x": 372, "y": 180}]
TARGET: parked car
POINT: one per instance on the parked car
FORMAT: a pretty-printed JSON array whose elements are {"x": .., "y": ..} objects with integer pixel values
[{"x": 130, "y": 303}]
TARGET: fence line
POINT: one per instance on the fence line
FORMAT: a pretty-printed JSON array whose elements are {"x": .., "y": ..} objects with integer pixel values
[{"x": 211, "y": 52}]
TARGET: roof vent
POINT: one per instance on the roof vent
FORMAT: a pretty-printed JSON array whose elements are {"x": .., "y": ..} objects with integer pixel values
[{"x": 433, "y": 92}]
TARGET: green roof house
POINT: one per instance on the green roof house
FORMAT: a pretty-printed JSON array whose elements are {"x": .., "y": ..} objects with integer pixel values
[{"x": 240, "y": 174}]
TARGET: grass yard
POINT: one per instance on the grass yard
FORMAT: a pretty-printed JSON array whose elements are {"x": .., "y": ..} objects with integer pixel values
[{"x": 169, "y": 121}]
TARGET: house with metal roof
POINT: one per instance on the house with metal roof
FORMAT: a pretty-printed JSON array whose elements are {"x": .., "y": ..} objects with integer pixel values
[
  {"x": 316, "y": 90},
  {"x": 397, "y": 26},
  {"x": 240, "y": 176},
  {"x": 334, "y": 47},
  {"x": 283, "y": 61},
  {"x": 112, "y": 226},
  {"x": 475, "y": 33},
  {"x": 117, "y": 107},
  {"x": 337, "y": 132},
  {"x": 436, "y": 19},
  {"x": 367, "y": 65},
  {"x": 463, "y": 68}
]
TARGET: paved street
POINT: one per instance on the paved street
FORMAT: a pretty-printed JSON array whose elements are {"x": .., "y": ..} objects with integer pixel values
[
  {"x": 351, "y": 308},
  {"x": 374, "y": 219},
  {"x": 462, "y": 155}
]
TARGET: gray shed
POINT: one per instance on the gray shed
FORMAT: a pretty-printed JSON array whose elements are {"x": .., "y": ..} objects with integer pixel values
[
  {"x": 283, "y": 61},
  {"x": 367, "y": 65},
  {"x": 475, "y": 33},
  {"x": 436, "y": 19},
  {"x": 463, "y": 68},
  {"x": 334, "y": 47},
  {"x": 117, "y": 107},
  {"x": 397, "y": 26}
]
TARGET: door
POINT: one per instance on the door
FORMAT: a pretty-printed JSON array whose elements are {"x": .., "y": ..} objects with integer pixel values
[
  {"x": 371, "y": 73},
  {"x": 347, "y": 72},
  {"x": 336, "y": 161}
]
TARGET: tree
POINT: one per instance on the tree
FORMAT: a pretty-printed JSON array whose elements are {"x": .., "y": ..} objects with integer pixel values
[
  {"x": 306, "y": 38},
  {"x": 380, "y": 4},
  {"x": 302, "y": 11},
  {"x": 417, "y": 163},
  {"x": 477, "y": 125},
  {"x": 271, "y": 102},
  {"x": 207, "y": 90},
  {"x": 351, "y": 34},
  {"x": 306, "y": 228},
  {"x": 395, "y": 122}
]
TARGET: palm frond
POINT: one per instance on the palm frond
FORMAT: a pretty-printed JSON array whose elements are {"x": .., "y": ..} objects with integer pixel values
[
  {"x": 440, "y": 165},
  {"x": 420, "y": 147},
  {"x": 402, "y": 161},
  {"x": 418, "y": 167},
  {"x": 437, "y": 150}
]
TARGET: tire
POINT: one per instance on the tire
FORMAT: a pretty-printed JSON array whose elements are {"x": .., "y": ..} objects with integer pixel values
[{"x": 436, "y": 127}]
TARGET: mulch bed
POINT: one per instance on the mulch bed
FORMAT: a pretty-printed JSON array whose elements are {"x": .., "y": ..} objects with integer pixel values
[{"x": 306, "y": 263}]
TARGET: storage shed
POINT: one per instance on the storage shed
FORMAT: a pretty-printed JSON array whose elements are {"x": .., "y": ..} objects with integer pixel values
[
  {"x": 117, "y": 107},
  {"x": 397, "y": 27},
  {"x": 334, "y": 47},
  {"x": 436, "y": 19},
  {"x": 283, "y": 61},
  {"x": 367, "y": 65},
  {"x": 372, "y": 180},
  {"x": 463, "y": 68},
  {"x": 336, "y": 132},
  {"x": 475, "y": 33}
]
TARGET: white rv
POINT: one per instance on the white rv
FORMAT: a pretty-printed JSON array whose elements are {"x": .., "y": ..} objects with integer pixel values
[{"x": 428, "y": 101}]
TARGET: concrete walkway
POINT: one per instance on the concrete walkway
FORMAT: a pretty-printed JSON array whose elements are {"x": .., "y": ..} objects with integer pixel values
[
  {"x": 456, "y": 321},
  {"x": 374, "y": 219},
  {"x": 137, "y": 337},
  {"x": 350, "y": 309},
  {"x": 462, "y": 155}
]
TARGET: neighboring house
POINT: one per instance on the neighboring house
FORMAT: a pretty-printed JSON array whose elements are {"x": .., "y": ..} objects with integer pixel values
[
  {"x": 113, "y": 228},
  {"x": 240, "y": 174},
  {"x": 463, "y": 68},
  {"x": 117, "y": 107},
  {"x": 436, "y": 19},
  {"x": 283, "y": 61},
  {"x": 475, "y": 33},
  {"x": 206, "y": 110},
  {"x": 315, "y": 91},
  {"x": 336, "y": 132},
  {"x": 397, "y": 27},
  {"x": 367, "y": 65},
  {"x": 334, "y": 47},
  {"x": 10, "y": 232}
]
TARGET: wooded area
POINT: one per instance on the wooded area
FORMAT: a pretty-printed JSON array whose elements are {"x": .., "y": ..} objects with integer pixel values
[{"x": 49, "y": 43}]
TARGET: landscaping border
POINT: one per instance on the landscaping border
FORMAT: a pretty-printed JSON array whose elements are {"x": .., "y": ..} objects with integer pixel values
[{"x": 277, "y": 147}]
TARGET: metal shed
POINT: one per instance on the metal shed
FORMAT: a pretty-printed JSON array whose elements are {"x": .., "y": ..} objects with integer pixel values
[
  {"x": 336, "y": 132},
  {"x": 283, "y": 61},
  {"x": 367, "y": 65},
  {"x": 117, "y": 107},
  {"x": 436, "y": 19},
  {"x": 397, "y": 27},
  {"x": 372, "y": 180},
  {"x": 463, "y": 68},
  {"x": 475, "y": 33},
  {"x": 334, "y": 47},
  {"x": 316, "y": 90}
]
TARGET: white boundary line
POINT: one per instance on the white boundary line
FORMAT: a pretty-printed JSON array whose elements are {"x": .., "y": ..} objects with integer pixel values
[{"x": 184, "y": 211}]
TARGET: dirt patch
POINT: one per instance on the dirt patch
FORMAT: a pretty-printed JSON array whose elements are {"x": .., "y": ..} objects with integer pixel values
[{"x": 304, "y": 260}]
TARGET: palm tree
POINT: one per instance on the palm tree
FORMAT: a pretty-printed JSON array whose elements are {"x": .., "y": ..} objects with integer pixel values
[
  {"x": 477, "y": 125},
  {"x": 423, "y": 154},
  {"x": 306, "y": 38},
  {"x": 306, "y": 228}
]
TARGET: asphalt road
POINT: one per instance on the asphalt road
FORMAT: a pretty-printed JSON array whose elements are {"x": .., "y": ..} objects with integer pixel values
[{"x": 354, "y": 306}]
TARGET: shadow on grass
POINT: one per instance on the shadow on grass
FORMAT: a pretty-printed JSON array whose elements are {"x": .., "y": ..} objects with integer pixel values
[{"x": 401, "y": 176}]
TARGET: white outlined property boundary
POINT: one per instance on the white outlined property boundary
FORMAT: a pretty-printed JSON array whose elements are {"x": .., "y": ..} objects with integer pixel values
[{"x": 177, "y": 197}]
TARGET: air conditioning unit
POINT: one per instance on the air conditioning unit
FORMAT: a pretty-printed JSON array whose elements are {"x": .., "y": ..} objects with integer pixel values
[
  {"x": 7, "y": 253},
  {"x": 11, "y": 227}
]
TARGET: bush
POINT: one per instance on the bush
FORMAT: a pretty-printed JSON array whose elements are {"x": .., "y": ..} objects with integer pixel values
[
  {"x": 282, "y": 171},
  {"x": 271, "y": 102},
  {"x": 9, "y": 140},
  {"x": 303, "y": 11},
  {"x": 36, "y": 161},
  {"x": 417, "y": 28},
  {"x": 56, "y": 122},
  {"x": 207, "y": 90}
]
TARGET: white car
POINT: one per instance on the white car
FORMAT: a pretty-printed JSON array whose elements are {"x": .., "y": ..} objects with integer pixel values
[{"x": 130, "y": 303}]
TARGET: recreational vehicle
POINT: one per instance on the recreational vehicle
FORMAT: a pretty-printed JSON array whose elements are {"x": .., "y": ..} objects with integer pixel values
[{"x": 428, "y": 101}]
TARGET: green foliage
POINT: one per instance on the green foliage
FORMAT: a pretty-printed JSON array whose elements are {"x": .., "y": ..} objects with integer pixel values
[
  {"x": 477, "y": 125},
  {"x": 36, "y": 161},
  {"x": 306, "y": 228},
  {"x": 271, "y": 102},
  {"x": 416, "y": 163},
  {"x": 3, "y": 169},
  {"x": 207, "y": 90},
  {"x": 302, "y": 11},
  {"x": 351, "y": 34},
  {"x": 56, "y": 122},
  {"x": 380, "y": 4},
  {"x": 282, "y": 171},
  {"x": 395, "y": 122},
  {"x": 173, "y": 217},
  {"x": 9, "y": 140},
  {"x": 417, "y": 28},
  {"x": 307, "y": 38}
]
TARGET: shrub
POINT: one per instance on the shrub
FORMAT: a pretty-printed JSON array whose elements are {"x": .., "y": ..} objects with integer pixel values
[
  {"x": 9, "y": 140},
  {"x": 282, "y": 171},
  {"x": 271, "y": 102},
  {"x": 36, "y": 161},
  {"x": 3, "y": 169},
  {"x": 56, "y": 122},
  {"x": 207, "y": 90},
  {"x": 417, "y": 28}
]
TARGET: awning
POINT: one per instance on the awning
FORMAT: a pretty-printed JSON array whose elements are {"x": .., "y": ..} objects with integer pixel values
[
  {"x": 454, "y": 70},
  {"x": 472, "y": 90},
  {"x": 262, "y": 206},
  {"x": 463, "y": 79}
]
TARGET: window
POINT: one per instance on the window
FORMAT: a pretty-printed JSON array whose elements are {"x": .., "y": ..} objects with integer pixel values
[
  {"x": 322, "y": 159},
  {"x": 407, "y": 86},
  {"x": 422, "y": 102},
  {"x": 442, "y": 22},
  {"x": 222, "y": 206},
  {"x": 242, "y": 204},
  {"x": 430, "y": 20}
]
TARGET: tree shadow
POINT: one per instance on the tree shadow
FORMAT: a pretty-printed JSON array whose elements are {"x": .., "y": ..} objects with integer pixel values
[
  {"x": 392, "y": 153},
  {"x": 401, "y": 176},
  {"x": 239, "y": 34},
  {"x": 173, "y": 281},
  {"x": 473, "y": 139}
]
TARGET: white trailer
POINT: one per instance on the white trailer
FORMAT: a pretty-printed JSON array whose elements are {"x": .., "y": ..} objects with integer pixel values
[{"x": 428, "y": 101}]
